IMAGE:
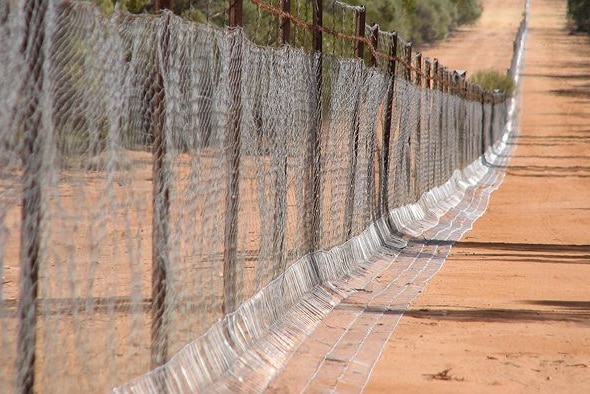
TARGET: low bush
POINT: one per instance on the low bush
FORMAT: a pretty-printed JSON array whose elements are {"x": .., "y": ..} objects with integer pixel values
[
  {"x": 468, "y": 11},
  {"x": 579, "y": 13},
  {"x": 494, "y": 80}
]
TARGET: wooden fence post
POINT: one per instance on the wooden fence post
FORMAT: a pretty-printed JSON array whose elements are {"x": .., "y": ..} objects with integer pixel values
[
  {"x": 386, "y": 137},
  {"x": 32, "y": 211},
  {"x": 461, "y": 120},
  {"x": 313, "y": 189},
  {"x": 374, "y": 44},
  {"x": 360, "y": 32},
  {"x": 372, "y": 196},
  {"x": 447, "y": 91},
  {"x": 418, "y": 149},
  {"x": 435, "y": 74},
  {"x": 428, "y": 86},
  {"x": 483, "y": 120},
  {"x": 440, "y": 142},
  {"x": 492, "y": 101},
  {"x": 161, "y": 207},
  {"x": 233, "y": 147},
  {"x": 235, "y": 13},
  {"x": 285, "y": 23},
  {"x": 409, "y": 62},
  {"x": 160, "y": 5},
  {"x": 409, "y": 155},
  {"x": 280, "y": 207},
  {"x": 359, "y": 51}
]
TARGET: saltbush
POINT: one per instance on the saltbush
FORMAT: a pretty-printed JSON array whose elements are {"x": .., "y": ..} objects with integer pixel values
[{"x": 494, "y": 80}]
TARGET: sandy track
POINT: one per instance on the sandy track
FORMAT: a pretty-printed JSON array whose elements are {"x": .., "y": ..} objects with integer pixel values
[{"x": 509, "y": 311}]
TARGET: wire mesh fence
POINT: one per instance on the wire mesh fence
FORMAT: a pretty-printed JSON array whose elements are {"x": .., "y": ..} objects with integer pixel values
[{"x": 164, "y": 182}]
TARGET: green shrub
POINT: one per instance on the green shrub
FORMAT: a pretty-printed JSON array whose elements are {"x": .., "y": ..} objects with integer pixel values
[
  {"x": 494, "y": 80},
  {"x": 433, "y": 20},
  {"x": 579, "y": 13},
  {"x": 421, "y": 21},
  {"x": 468, "y": 11}
]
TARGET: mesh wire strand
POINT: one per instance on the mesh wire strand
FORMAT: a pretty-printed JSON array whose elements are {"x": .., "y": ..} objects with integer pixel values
[{"x": 107, "y": 87}]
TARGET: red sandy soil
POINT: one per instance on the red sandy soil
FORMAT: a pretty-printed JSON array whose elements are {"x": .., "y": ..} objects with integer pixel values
[{"x": 510, "y": 310}]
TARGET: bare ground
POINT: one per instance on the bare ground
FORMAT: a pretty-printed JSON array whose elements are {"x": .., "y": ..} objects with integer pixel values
[{"x": 510, "y": 310}]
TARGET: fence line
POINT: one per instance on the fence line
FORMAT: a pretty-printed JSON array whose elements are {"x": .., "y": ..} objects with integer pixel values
[
  {"x": 138, "y": 145},
  {"x": 358, "y": 39}
]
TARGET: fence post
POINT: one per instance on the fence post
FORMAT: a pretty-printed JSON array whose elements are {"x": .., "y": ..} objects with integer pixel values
[
  {"x": 285, "y": 23},
  {"x": 232, "y": 147},
  {"x": 359, "y": 51},
  {"x": 419, "y": 69},
  {"x": 318, "y": 23},
  {"x": 440, "y": 142},
  {"x": 32, "y": 211},
  {"x": 313, "y": 199},
  {"x": 492, "y": 101},
  {"x": 374, "y": 44},
  {"x": 410, "y": 161},
  {"x": 161, "y": 207},
  {"x": 435, "y": 74},
  {"x": 360, "y": 32},
  {"x": 160, "y": 5},
  {"x": 372, "y": 196},
  {"x": 461, "y": 120},
  {"x": 235, "y": 13},
  {"x": 409, "y": 62},
  {"x": 418, "y": 149},
  {"x": 447, "y": 90},
  {"x": 384, "y": 179},
  {"x": 483, "y": 120},
  {"x": 428, "y": 86},
  {"x": 280, "y": 207}
]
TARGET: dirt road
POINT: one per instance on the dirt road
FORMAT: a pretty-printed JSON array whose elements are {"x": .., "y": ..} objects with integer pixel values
[{"x": 510, "y": 310}]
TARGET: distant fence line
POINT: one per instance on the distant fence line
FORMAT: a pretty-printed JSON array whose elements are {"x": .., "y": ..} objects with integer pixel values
[
  {"x": 423, "y": 71},
  {"x": 147, "y": 160}
]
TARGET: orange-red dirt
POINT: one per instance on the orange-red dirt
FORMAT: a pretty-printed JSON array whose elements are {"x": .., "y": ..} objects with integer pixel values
[{"x": 510, "y": 309}]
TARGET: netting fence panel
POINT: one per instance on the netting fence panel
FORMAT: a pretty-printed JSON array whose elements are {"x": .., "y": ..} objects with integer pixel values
[{"x": 165, "y": 183}]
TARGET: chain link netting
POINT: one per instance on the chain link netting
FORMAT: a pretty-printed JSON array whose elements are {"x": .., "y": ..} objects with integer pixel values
[{"x": 164, "y": 182}]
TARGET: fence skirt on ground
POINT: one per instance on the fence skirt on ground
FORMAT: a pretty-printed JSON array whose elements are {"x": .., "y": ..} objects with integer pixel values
[{"x": 157, "y": 131}]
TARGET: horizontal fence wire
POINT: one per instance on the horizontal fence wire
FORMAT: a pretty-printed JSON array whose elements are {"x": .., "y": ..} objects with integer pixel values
[{"x": 170, "y": 191}]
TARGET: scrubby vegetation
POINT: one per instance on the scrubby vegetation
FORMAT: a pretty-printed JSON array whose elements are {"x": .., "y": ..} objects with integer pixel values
[
  {"x": 579, "y": 13},
  {"x": 494, "y": 80},
  {"x": 420, "y": 21}
]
